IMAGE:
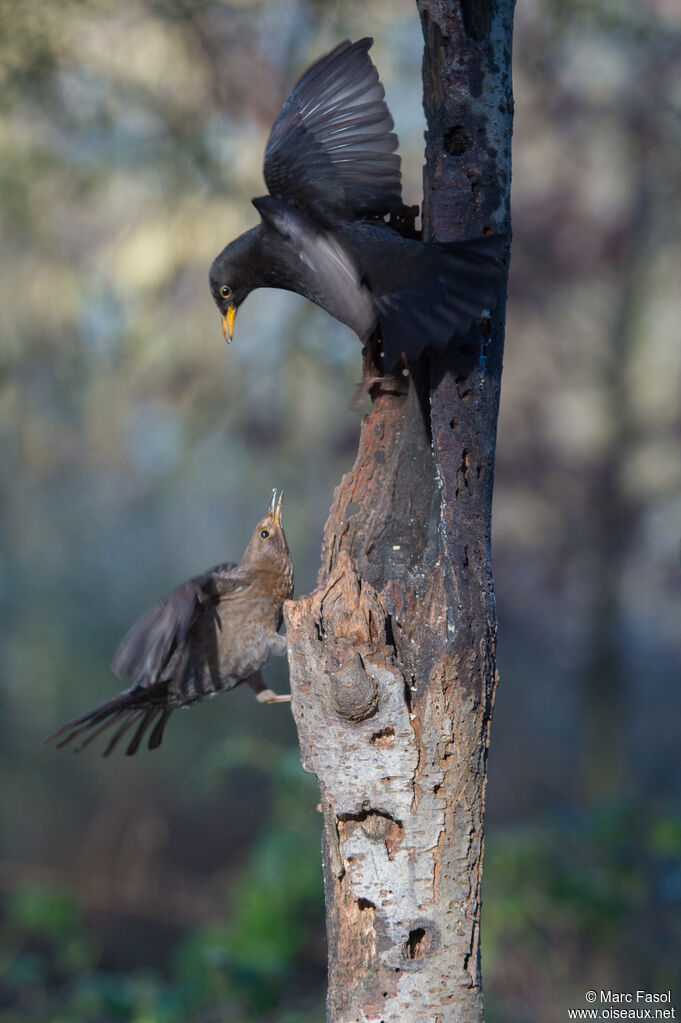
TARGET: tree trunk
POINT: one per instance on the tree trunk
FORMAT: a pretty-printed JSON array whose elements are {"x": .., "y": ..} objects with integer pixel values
[{"x": 392, "y": 657}]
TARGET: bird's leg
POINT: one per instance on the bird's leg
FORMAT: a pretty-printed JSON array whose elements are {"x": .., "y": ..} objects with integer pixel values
[
  {"x": 269, "y": 696},
  {"x": 394, "y": 383},
  {"x": 375, "y": 380},
  {"x": 278, "y": 646},
  {"x": 262, "y": 693},
  {"x": 372, "y": 357}
]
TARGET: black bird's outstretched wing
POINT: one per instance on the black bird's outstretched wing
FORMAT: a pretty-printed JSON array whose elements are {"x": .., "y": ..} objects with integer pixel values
[
  {"x": 425, "y": 295},
  {"x": 325, "y": 271},
  {"x": 332, "y": 148}
]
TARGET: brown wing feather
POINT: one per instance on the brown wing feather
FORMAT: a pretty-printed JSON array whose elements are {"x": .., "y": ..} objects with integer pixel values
[
  {"x": 123, "y": 708},
  {"x": 146, "y": 648},
  {"x": 146, "y": 652}
]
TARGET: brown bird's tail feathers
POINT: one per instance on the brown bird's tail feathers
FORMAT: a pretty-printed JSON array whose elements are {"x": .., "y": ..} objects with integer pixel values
[{"x": 127, "y": 709}]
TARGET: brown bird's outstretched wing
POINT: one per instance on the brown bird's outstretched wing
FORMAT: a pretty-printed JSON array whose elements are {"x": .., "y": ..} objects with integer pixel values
[
  {"x": 332, "y": 148},
  {"x": 143, "y": 656},
  {"x": 147, "y": 647},
  {"x": 140, "y": 705}
]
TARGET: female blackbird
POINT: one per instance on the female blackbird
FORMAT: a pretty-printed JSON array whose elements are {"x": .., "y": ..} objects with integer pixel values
[
  {"x": 209, "y": 635},
  {"x": 333, "y": 175}
]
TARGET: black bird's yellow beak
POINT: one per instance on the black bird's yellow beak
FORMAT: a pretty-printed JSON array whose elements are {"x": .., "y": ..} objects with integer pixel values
[{"x": 228, "y": 323}]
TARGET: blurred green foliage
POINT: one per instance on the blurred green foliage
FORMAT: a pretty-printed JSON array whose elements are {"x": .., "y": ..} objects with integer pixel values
[
  {"x": 237, "y": 967},
  {"x": 576, "y": 902},
  {"x": 273, "y": 910},
  {"x": 582, "y": 901}
]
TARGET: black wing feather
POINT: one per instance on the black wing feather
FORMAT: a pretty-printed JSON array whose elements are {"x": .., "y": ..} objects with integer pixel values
[
  {"x": 462, "y": 285},
  {"x": 332, "y": 148}
]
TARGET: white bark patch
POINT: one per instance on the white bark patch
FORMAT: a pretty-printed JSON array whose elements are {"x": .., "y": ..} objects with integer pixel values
[{"x": 383, "y": 785}]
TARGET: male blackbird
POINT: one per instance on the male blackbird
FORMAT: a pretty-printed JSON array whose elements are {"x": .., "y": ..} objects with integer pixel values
[
  {"x": 210, "y": 634},
  {"x": 333, "y": 175}
]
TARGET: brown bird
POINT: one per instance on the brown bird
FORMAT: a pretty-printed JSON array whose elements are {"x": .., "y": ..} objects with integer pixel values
[{"x": 210, "y": 634}]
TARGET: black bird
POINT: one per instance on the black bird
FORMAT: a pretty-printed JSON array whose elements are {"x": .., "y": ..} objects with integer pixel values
[
  {"x": 333, "y": 175},
  {"x": 210, "y": 634}
]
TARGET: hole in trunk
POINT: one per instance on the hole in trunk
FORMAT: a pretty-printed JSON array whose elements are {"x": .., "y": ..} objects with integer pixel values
[
  {"x": 384, "y": 737},
  {"x": 457, "y": 140},
  {"x": 417, "y": 944}
]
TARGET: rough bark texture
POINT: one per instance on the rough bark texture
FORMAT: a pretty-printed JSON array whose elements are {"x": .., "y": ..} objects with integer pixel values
[{"x": 392, "y": 657}]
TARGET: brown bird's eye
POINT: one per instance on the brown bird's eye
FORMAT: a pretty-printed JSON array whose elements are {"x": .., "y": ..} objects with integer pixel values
[
  {"x": 225, "y": 291},
  {"x": 264, "y": 534}
]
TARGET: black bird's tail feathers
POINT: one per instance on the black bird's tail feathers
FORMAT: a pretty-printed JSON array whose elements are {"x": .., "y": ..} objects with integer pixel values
[{"x": 132, "y": 707}]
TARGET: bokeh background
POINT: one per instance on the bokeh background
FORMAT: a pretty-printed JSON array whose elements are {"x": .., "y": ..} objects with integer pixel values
[{"x": 184, "y": 886}]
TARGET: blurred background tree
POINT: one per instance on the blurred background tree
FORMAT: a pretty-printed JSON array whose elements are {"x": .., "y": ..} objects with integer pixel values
[{"x": 185, "y": 885}]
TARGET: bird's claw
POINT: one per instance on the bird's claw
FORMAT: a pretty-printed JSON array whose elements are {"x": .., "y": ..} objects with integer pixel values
[{"x": 269, "y": 696}]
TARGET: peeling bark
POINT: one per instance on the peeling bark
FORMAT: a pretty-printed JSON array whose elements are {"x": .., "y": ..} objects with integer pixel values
[{"x": 392, "y": 657}]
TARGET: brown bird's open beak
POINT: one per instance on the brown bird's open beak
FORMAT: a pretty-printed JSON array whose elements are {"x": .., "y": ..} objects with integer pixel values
[
  {"x": 275, "y": 507},
  {"x": 228, "y": 323}
]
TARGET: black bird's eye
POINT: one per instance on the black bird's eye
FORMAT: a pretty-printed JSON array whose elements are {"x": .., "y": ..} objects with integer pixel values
[
  {"x": 225, "y": 291},
  {"x": 264, "y": 534}
]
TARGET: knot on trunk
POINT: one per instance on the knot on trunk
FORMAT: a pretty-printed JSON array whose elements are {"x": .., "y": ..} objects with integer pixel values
[
  {"x": 345, "y": 621},
  {"x": 353, "y": 692},
  {"x": 345, "y": 682},
  {"x": 347, "y": 607}
]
